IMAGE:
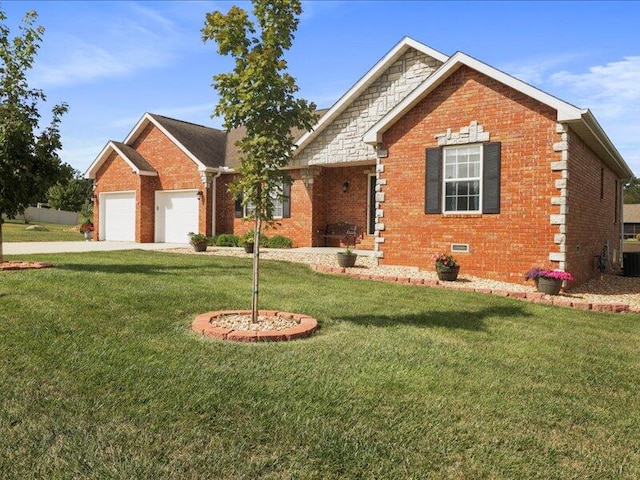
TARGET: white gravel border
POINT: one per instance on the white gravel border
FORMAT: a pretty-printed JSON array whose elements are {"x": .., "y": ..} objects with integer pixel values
[{"x": 605, "y": 289}]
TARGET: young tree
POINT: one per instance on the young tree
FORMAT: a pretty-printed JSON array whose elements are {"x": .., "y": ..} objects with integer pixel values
[
  {"x": 71, "y": 195},
  {"x": 259, "y": 94},
  {"x": 632, "y": 191},
  {"x": 28, "y": 158}
]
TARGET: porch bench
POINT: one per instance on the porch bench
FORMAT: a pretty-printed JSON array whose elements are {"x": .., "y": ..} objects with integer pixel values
[{"x": 341, "y": 230}]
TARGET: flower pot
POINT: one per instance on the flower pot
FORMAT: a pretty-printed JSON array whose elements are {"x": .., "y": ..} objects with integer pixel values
[
  {"x": 248, "y": 247},
  {"x": 346, "y": 260},
  {"x": 550, "y": 286},
  {"x": 449, "y": 275},
  {"x": 200, "y": 247},
  {"x": 88, "y": 235}
]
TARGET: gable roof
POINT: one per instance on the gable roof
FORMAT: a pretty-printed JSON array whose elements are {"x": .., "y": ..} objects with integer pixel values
[
  {"x": 581, "y": 120},
  {"x": 136, "y": 161},
  {"x": 365, "y": 81},
  {"x": 205, "y": 146}
]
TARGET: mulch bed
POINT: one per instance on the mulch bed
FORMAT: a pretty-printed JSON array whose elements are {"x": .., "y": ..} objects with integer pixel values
[
  {"x": 18, "y": 265},
  {"x": 233, "y": 326}
]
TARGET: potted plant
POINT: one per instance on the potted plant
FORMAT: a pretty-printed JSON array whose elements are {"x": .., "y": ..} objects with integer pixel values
[
  {"x": 87, "y": 229},
  {"x": 548, "y": 281},
  {"x": 347, "y": 259},
  {"x": 446, "y": 266},
  {"x": 248, "y": 242},
  {"x": 199, "y": 241}
]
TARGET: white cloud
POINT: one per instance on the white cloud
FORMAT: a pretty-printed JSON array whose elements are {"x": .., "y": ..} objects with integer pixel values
[
  {"x": 116, "y": 48},
  {"x": 612, "y": 93},
  {"x": 533, "y": 70},
  {"x": 613, "y": 89},
  {"x": 199, "y": 113}
]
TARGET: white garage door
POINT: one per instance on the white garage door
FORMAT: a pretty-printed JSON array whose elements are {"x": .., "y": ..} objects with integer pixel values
[
  {"x": 176, "y": 215},
  {"x": 118, "y": 215}
]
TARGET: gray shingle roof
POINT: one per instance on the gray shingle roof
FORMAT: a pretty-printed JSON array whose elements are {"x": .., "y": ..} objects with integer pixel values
[
  {"x": 205, "y": 143},
  {"x": 134, "y": 157},
  {"x": 233, "y": 154}
]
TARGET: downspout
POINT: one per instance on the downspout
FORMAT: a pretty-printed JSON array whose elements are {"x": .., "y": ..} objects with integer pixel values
[{"x": 213, "y": 203}]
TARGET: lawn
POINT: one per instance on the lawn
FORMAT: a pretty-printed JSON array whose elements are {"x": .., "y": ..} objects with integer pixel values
[
  {"x": 15, "y": 231},
  {"x": 101, "y": 377}
]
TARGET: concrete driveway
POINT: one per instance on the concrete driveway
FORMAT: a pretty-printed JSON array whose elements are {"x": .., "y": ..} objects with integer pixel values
[{"x": 26, "y": 248}]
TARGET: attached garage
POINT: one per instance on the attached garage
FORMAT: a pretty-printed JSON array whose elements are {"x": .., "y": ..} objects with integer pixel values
[
  {"x": 176, "y": 215},
  {"x": 117, "y": 216}
]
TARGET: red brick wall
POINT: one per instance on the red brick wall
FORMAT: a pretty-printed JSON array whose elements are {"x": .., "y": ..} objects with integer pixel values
[
  {"x": 505, "y": 245},
  {"x": 591, "y": 220},
  {"x": 349, "y": 206},
  {"x": 312, "y": 207},
  {"x": 175, "y": 170},
  {"x": 114, "y": 175},
  {"x": 224, "y": 205},
  {"x": 298, "y": 227}
]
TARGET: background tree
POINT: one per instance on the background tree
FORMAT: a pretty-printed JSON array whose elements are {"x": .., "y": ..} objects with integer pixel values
[
  {"x": 29, "y": 163},
  {"x": 632, "y": 191},
  {"x": 72, "y": 194},
  {"x": 260, "y": 95}
]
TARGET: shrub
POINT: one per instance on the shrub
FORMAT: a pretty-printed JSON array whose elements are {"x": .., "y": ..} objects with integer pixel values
[
  {"x": 197, "y": 238},
  {"x": 638, "y": 237},
  {"x": 227, "y": 240},
  {"x": 248, "y": 238},
  {"x": 212, "y": 241},
  {"x": 279, "y": 241}
]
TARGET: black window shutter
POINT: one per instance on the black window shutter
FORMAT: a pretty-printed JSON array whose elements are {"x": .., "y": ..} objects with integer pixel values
[
  {"x": 286, "y": 200},
  {"x": 491, "y": 178},
  {"x": 239, "y": 209},
  {"x": 433, "y": 181}
]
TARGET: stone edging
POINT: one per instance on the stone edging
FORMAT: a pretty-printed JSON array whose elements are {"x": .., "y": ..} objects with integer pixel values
[
  {"x": 17, "y": 265},
  {"x": 535, "y": 297},
  {"x": 306, "y": 326}
]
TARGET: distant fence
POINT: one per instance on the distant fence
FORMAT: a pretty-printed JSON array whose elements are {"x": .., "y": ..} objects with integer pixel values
[{"x": 49, "y": 215}]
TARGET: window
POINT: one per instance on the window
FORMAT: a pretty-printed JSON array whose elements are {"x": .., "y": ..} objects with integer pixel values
[
  {"x": 462, "y": 174},
  {"x": 463, "y": 179},
  {"x": 280, "y": 200}
]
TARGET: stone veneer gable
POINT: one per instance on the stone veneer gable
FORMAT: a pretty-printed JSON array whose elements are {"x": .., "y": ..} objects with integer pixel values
[{"x": 341, "y": 141}]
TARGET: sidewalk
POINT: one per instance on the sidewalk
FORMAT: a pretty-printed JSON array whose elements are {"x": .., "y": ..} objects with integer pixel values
[{"x": 28, "y": 248}]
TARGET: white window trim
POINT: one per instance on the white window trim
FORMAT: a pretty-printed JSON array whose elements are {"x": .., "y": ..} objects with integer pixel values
[
  {"x": 246, "y": 212},
  {"x": 479, "y": 178}
]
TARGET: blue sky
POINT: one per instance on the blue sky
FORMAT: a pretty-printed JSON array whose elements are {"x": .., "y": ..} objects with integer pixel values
[{"x": 113, "y": 61}]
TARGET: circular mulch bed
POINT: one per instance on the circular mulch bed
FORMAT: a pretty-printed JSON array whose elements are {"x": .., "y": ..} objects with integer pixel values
[
  {"x": 15, "y": 265},
  {"x": 272, "y": 326}
]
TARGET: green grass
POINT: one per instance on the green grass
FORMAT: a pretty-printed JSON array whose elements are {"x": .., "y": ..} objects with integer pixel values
[
  {"x": 15, "y": 231},
  {"x": 101, "y": 377}
]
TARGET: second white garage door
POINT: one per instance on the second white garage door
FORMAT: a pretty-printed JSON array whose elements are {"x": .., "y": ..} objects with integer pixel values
[{"x": 176, "y": 215}]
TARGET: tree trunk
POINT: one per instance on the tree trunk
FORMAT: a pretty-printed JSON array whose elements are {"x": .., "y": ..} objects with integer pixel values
[
  {"x": 257, "y": 226},
  {"x": 1, "y": 253}
]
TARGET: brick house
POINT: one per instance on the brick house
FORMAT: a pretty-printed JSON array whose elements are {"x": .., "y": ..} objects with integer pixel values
[{"x": 425, "y": 153}]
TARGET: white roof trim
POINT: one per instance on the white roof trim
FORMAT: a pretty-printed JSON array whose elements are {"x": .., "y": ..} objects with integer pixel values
[
  {"x": 566, "y": 113},
  {"x": 565, "y": 110},
  {"x": 140, "y": 126},
  {"x": 104, "y": 155},
  {"x": 364, "y": 82}
]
